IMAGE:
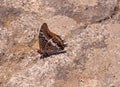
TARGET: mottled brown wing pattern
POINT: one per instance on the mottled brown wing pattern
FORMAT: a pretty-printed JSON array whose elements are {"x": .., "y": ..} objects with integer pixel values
[{"x": 49, "y": 42}]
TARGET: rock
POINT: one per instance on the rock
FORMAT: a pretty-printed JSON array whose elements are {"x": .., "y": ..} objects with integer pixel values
[{"x": 90, "y": 29}]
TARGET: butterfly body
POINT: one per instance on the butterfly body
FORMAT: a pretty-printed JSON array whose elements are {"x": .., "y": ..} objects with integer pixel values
[{"x": 49, "y": 42}]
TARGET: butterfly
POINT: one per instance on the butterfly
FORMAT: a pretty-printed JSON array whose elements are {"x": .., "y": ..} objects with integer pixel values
[{"x": 49, "y": 42}]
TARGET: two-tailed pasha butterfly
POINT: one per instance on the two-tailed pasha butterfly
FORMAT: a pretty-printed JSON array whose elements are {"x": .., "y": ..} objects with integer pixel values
[{"x": 49, "y": 42}]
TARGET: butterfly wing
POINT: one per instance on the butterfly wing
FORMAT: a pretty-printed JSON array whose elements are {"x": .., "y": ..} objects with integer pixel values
[
  {"x": 49, "y": 42},
  {"x": 51, "y": 47},
  {"x": 43, "y": 38}
]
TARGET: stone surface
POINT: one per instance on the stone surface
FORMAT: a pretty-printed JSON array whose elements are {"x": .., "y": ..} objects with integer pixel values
[{"x": 90, "y": 28}]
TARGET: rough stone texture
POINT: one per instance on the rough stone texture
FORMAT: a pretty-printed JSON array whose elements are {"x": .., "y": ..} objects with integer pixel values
[{"x": 91, "y": 29}]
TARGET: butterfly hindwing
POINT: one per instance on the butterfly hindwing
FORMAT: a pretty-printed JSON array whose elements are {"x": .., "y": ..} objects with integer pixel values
[{"x": 50, "y": 48}]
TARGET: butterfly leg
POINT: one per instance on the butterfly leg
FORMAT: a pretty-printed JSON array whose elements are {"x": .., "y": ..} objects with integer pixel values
[
  {"x": 44, "y": 56},
  {"x": 39, "y": 51}
]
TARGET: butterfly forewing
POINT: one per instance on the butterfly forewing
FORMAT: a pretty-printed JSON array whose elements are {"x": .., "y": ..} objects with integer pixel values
[{"x": 43, "y": 37}]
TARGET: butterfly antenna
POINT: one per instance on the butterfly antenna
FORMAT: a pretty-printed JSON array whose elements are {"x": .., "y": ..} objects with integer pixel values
[
  {"x": 31, "y": 47},
  {"x": 31, "y": 43}
]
